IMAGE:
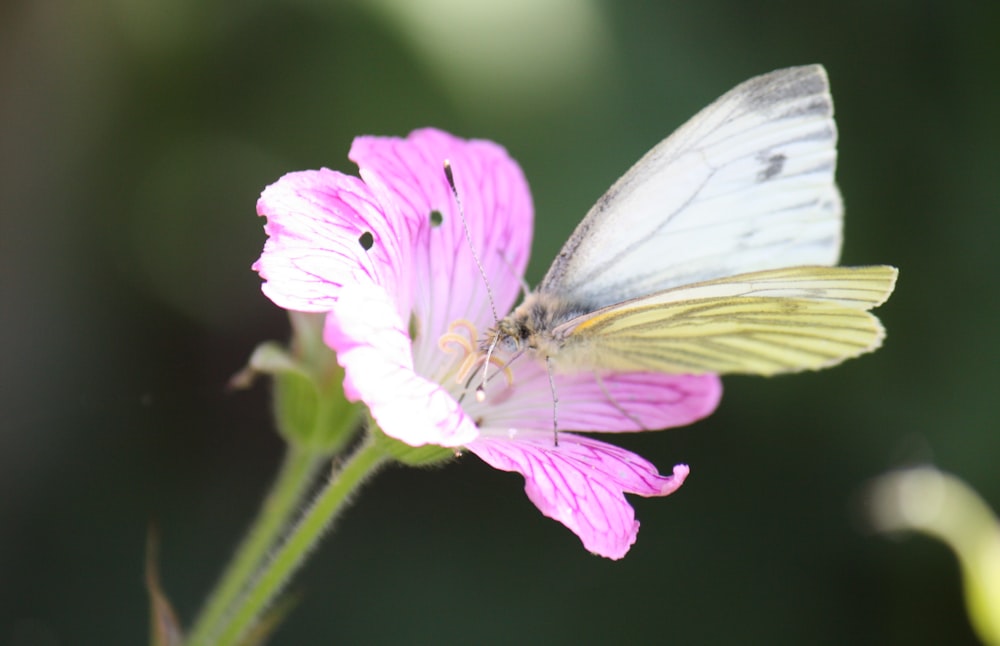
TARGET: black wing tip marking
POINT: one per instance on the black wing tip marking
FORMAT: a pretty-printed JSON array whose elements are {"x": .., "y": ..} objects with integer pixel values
[{"x": 766, "y": 91}]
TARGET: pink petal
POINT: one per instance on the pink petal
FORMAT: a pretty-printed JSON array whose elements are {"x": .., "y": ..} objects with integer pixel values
[
  {"x": 497, "y": 204},
  {"x": 633, "y": 401},
  {"x": 316, "y": 220},
  {"x": 581, "y": 483},
  {"x": 373, "y": 346}
]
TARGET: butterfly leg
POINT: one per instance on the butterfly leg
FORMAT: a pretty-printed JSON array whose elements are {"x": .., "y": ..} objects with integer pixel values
[
  {"x": 614, "y": 402},
  {"x": 555, "y": 403}
]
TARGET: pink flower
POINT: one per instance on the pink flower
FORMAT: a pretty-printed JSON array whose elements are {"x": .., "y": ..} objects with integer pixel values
[{"x": 387, "y": 257}]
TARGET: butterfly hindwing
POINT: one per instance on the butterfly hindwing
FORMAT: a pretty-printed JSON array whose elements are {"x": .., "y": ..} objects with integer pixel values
[{"x": 764, "y": 323}]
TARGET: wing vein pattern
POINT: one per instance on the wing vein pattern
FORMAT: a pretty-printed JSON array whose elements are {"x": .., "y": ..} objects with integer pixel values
[
  {"x": 768, "y": 322},
  {"x": 745, "y": 185}
]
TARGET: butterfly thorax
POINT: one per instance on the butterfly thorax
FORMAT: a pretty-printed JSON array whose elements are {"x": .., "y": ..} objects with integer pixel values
[{"x": 532, "y": 325}]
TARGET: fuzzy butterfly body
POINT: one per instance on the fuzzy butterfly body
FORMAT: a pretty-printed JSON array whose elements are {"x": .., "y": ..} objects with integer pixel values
[{"x": 715, "y": 252}]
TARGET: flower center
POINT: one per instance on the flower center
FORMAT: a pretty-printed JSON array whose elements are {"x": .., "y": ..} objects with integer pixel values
[{"x": 462, "y": 340}]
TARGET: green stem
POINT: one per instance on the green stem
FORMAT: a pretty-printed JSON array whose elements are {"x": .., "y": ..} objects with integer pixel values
[
  {"x": 300, "y": 541},
  {"x": 297, "y": 473}
]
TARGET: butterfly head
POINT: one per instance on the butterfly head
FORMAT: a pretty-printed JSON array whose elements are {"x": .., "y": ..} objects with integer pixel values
[{"x": 531, "y": 326}]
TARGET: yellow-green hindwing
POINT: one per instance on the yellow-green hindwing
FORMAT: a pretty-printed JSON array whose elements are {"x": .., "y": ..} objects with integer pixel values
[{"x": 768, "y": 322}]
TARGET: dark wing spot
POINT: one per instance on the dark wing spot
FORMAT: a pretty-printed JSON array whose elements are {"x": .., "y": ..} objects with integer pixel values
[
  {"x": 774, "y": 164},
  {"x": 436, "y": 218},
  {"x": 367, "y": 240}
]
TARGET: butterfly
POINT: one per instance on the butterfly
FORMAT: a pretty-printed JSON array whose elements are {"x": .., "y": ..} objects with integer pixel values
[{"x": 714, "y": 253}]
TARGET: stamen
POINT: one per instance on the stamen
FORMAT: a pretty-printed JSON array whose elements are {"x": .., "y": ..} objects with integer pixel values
[
  {"x": 448, "y": 340},
  {"x": 468, "y": 365},
  {"x": 462, "y": 339},
  {"x": 466, "y": 342}
]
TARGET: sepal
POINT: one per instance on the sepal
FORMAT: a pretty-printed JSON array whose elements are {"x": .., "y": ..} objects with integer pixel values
[
  {"x": 414, "y": 456},
  {"x": 310, "y": 408}
]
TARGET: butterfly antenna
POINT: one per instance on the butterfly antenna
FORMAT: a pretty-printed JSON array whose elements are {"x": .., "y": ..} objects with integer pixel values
[
  {"x": 481, "y": 388},
  {"x": 468, "y": 237}
]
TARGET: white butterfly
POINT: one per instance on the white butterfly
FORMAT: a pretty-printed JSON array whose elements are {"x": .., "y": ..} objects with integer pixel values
[{"x": 714, "y": 252}]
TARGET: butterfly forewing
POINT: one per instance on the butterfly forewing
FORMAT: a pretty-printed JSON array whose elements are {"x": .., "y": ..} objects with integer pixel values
[
  {"x": 763, "y": 323},
  {"x": 747, "y": 184}
]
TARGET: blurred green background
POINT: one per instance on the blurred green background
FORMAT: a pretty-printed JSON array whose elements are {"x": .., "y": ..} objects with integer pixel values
[{"x": 135, "y": 138}]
